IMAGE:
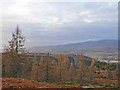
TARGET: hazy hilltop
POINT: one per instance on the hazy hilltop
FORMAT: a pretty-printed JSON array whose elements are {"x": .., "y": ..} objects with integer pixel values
[{"x": 102, "y": 49}]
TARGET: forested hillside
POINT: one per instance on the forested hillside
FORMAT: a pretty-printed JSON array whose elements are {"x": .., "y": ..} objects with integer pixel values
[{"x": 69, "y": 58}]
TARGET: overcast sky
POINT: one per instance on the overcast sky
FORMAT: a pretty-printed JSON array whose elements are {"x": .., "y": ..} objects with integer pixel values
[{"x": 59, "y": 23}]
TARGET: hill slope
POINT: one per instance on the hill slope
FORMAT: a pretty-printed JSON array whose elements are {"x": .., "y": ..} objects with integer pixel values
[{"x": 102, "y": 49}]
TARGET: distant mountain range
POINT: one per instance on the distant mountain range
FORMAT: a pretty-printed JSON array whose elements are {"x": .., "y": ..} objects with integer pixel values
[{"x": 102, "y": 49}]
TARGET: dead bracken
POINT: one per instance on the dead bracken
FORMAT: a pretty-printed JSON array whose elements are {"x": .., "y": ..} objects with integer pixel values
[{"x": 24, "y": 83}]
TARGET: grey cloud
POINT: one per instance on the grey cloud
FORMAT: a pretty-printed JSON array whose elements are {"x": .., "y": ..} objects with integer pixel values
[{"x": 61, "y": 22}]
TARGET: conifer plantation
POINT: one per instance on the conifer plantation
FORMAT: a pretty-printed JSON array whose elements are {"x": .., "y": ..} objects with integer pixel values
[{"x": 64, "y": 69}]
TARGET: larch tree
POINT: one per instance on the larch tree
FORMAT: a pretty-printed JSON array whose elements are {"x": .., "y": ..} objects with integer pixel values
[
  {"x": 42, "y": 69},
  {"x": 81, "y": 69},
  {"x": 14, "y": 52},
  {"x": 52, "y": 71},
  {"x": 45, "y": 67},
  {"x": 61, "y": 68},
  {"x": 64, "y": 69},
  {"x": 35, "y": 67},
  {"x": 90, "y": 72},
  {"x": 27, "y": 68},
  {"x": 72, "y": 72}
]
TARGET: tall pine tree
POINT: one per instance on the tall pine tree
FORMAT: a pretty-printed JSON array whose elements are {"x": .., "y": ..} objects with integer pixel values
[{"x": 14, "y": 51}]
